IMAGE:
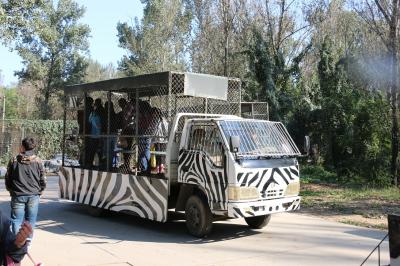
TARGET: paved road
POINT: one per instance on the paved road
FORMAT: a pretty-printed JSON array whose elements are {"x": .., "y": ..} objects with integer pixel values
[{"x": 66, "y": 235}]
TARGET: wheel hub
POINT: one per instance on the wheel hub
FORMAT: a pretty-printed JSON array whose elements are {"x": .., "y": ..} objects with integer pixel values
[{"x": 193, "y": 216}]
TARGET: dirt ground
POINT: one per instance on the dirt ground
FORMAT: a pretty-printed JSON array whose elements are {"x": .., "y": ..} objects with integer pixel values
[{"x": 362, "y": 208}]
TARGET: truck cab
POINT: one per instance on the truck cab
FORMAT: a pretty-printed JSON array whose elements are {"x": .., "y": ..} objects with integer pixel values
[{"x": 230, "y": 167}]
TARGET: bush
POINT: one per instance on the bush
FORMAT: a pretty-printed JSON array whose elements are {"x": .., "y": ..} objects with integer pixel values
[
  {"x": 48, "y": 133},
  {"x": 317, "y": 174}
]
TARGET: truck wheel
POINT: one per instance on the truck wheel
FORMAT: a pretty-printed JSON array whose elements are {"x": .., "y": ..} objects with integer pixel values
[
  {"x": 198, "y": 217},
  {"x": 94, "y": 211},
  {"x": 258, "y": 222}
]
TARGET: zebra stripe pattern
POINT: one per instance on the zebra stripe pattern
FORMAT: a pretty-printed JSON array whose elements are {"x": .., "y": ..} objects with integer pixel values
[
  {"x": 138, "y": 195},
  {"x": 270, "y": 208},
  {"x": 262, "y": 179},
  {"x": 196, "y": 168}
]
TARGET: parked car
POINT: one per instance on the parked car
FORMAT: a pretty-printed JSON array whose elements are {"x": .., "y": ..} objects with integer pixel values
[{"x": 53, "y": 165}]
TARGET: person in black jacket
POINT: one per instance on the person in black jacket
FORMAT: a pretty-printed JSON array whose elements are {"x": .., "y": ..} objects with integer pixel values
[
  {"x": 13, "y": 246},
  {"x": 25, "y": 181}
]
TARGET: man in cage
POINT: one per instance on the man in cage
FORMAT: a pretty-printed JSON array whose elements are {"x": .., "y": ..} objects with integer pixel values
[
  {"x": 145, "y": 124},
  {"x": 125, "y": 121},
  {"x": 95, "y": 143},
  {"x": 84, "y": 128},
  {"x": 159, "y": 130}
]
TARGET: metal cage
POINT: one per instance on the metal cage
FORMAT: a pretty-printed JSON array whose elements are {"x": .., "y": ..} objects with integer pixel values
[{"x": 117, "y": 120}]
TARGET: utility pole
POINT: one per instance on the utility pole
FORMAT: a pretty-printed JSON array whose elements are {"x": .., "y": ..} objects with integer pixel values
[{"x": 4, "y": 113}]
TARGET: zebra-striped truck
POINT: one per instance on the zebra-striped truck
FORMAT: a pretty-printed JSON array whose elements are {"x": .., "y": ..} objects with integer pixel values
[{"x": 202, "y": 158}]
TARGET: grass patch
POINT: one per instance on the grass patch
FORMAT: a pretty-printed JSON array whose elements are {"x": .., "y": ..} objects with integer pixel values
[
  {"x": 360, "y": 206},
  {"x": 381, "y": 226}
]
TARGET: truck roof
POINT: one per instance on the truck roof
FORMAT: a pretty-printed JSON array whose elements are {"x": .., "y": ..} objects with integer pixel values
[{"x": 185, "y": 83}]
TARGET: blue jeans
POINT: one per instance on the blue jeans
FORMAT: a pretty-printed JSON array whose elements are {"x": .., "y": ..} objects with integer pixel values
[
  {"x": 144, "y": 154},
  {"x": 24, "y": 208}
]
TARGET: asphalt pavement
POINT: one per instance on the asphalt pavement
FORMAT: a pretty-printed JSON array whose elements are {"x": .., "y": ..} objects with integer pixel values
[{"x": 67, "y": 235}]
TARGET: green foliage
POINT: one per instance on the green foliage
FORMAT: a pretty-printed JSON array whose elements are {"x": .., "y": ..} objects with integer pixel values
[
  {"x": 158, "y": 42},
  {"x": 351, "y": 127},
  {"x": 51, "y": 49},
  {"x": 317, "y": 174},
  {"x": 271, "y": 78},
  {"x": 95, "y": 71}
]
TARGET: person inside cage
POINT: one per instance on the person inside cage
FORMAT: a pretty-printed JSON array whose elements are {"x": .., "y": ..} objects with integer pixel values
[
  {"x": 110, "y": 142},
  {"x": 145, "y": 126},
  {"x": 125, "y": 121},
  {"x": 95, "y": 144},
  {"x": 159, "y": 128}
]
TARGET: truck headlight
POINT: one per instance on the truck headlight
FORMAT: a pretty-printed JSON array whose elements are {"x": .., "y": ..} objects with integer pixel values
[
  {"x": 293, "y": 189},
  {"x": 243, "y": 193}
]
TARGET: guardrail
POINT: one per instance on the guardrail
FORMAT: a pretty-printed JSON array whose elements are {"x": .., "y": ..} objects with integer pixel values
[{"x": 379, "y": 252}]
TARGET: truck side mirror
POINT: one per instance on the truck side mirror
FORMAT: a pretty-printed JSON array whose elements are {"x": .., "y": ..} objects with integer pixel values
[
  {"x": 234, "y": 143},
  {"x": 307, "y": 145}
]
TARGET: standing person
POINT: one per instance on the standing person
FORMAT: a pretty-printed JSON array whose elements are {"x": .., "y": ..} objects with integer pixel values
[
  {"x": 108, "y": 152},
  {"x": 160, "y": 132},
  {"x": 145, "y": 122},
  {"x": 125, "y": 122},
  {"x": 25, "y": 181},
  {"x": 95, "y": 146},
  {"x": 84, "y": 129}
]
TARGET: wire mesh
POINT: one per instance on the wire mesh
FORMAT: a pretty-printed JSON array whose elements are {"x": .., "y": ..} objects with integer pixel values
[
  {"x": 207, "y": 139},
  {"x": 260, "y": 138},
  {"x": 127, "y": 130},
  {"x": 255, "y": 110}
]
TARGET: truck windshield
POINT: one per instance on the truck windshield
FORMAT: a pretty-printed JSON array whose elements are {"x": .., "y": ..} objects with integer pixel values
[{"x": 260, "y": 138}]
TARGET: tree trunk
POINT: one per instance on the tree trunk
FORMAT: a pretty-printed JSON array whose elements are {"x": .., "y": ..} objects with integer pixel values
[
  {"x": 395, "y": 133},
  {"x": 46, "y": 107},
  {"x": 393, "y": 49}
]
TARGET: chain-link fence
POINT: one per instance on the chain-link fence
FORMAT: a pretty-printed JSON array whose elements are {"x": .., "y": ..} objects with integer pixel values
[{"x": 47, "y": 133}]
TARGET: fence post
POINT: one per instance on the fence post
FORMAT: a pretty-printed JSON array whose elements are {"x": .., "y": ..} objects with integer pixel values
[{"x": 394, "y": 239}]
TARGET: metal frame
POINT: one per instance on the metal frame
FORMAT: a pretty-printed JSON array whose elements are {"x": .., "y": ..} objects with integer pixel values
[
  {"x": 273, "y": 134},
  {"x": 165, "y": 88}
]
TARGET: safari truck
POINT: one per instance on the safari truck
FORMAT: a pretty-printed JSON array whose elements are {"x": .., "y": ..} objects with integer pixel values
[{"x": 148, "y": 144}]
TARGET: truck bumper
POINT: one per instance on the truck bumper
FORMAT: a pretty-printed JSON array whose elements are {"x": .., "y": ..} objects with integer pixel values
[{"x": 262, "y": 207}]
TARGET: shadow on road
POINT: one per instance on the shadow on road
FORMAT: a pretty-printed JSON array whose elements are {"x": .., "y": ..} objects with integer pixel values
[{"x": 62, "y": 217}]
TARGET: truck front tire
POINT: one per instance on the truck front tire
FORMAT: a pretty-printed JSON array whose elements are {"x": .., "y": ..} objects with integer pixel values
[
  {"x": 258, "y": 222},
  {"x": 198, "y": 217}
]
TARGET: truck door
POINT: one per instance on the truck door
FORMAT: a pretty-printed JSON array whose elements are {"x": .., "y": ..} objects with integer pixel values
[{"x": 202, "y": 162}]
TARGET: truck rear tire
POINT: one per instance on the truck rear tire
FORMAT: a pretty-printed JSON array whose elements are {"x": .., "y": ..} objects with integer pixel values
[
  {"x": 258, "y": 222},
  {"x": 198, "y": 217}
]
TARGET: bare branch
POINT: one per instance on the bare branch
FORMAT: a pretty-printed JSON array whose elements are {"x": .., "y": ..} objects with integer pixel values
[
  {"x": 294, "y": 32},
  {"x": 269, "y": 24},
  {"x": 384, "y": 13},
  {"x": 372, "y": 24},
  {"x": 280, "y": 27}
]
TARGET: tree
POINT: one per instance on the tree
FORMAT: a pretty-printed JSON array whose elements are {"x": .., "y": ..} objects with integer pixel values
[
  {"x": 18, "y": 17},
  {"x": 52, "y": 52},
  {"x": 95, "y": 71},
  {"x": 383, "y": 17},
  {"x": 159, "y": 41}
]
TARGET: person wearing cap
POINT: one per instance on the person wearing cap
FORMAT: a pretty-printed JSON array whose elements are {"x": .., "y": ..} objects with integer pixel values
[{"x": 25, "y": 181}]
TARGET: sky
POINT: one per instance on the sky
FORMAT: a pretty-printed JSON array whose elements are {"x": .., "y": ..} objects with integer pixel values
[{"x": 102, "y": 17}]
